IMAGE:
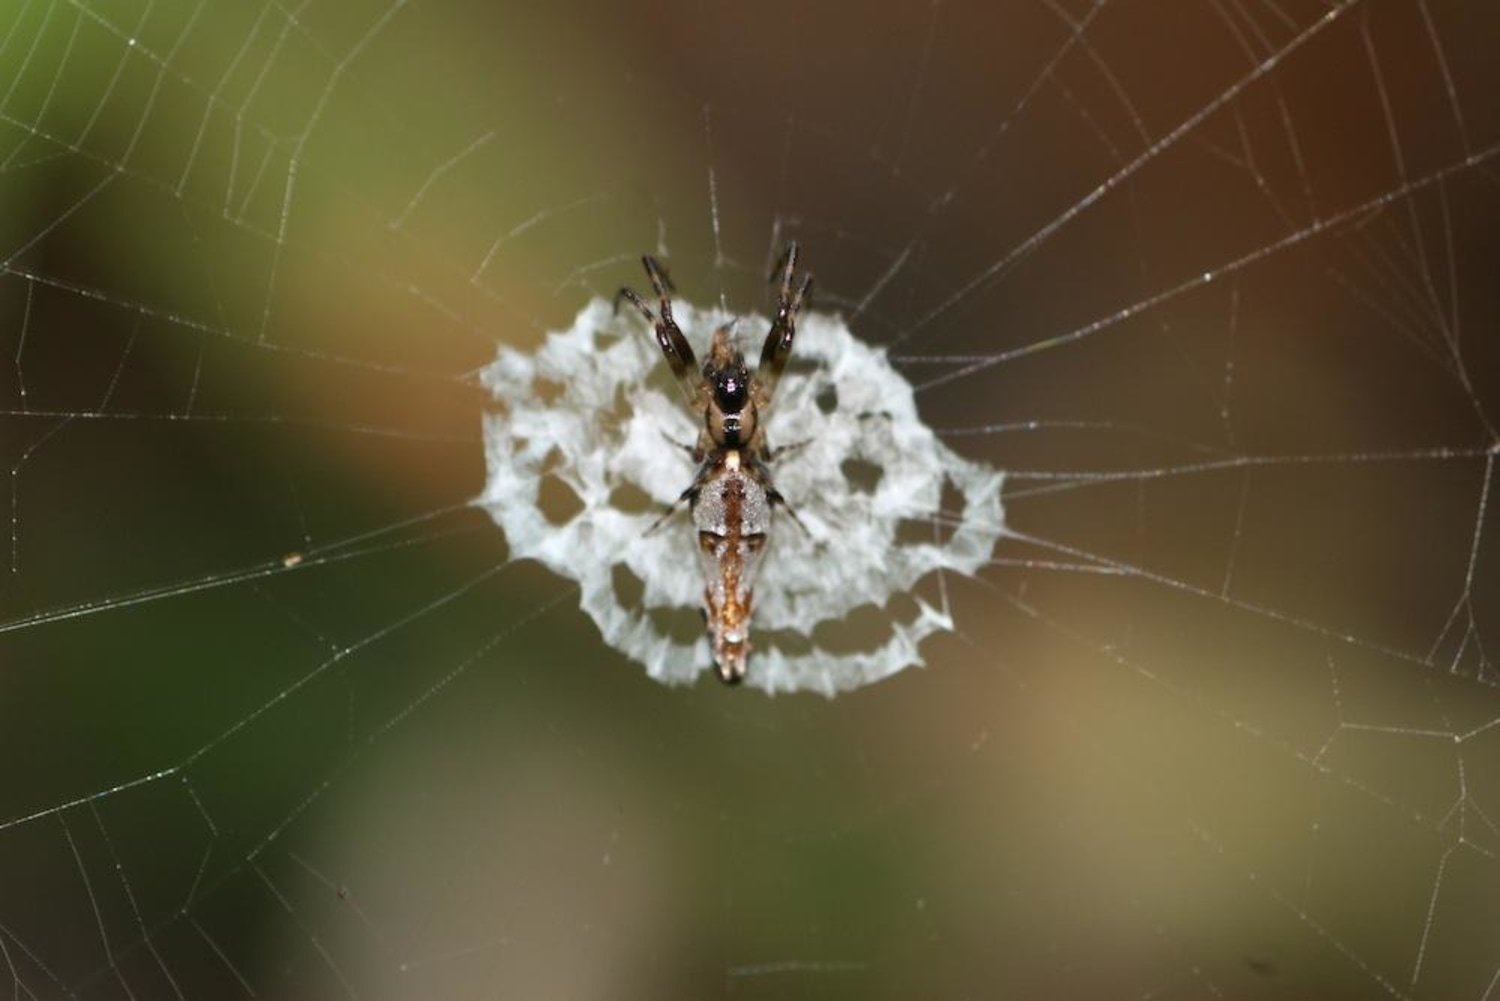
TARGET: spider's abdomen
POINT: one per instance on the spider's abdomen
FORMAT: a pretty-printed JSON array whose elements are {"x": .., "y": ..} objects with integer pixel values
[{"x": 732, "y": 513}]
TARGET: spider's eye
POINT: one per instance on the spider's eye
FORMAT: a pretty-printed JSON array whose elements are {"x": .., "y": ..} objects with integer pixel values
[
  {"x": 731, "y": 389},
  {"x": 709, "y": 541}
]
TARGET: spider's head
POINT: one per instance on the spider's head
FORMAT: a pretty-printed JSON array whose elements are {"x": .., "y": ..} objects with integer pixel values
[
  {"x": 732, "y": 388},
  {"x": 731, "y": 417},
  {"x": 726, "y": 373}
]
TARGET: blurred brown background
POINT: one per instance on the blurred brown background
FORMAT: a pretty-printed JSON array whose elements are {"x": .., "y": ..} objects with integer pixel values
[{"x": 254, "y": 254}]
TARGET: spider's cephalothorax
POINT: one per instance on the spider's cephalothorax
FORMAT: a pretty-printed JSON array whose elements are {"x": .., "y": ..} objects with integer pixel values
[{"x": 731, "y": 496}]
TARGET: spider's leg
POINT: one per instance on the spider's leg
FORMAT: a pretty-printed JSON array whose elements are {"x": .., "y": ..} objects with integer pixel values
[
  {"x": 777, "y": 500},
  {"x": 629, "y": 293},
  {"x": 686, "y": 495},
  {"x": 689, "y": 449},
  {"x": 689, "y": 496},
  {"x": 763, "y": 474},
  {"x": 781, "y": 452},
  {"x": 668, "y": 335},
  {"x": 778, "y": 346}
]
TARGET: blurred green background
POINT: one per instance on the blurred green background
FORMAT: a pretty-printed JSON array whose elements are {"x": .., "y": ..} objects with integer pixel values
[{"x": 281, "y": 720}]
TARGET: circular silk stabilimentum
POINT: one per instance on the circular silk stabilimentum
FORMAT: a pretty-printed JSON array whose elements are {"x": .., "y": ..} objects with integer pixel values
[{"x": 593, "y": 409}]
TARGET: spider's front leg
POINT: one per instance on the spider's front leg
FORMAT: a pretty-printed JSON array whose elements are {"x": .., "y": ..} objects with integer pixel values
[
  {"x": 778, "y": 346},
  {"x": 678, "y": 351}
]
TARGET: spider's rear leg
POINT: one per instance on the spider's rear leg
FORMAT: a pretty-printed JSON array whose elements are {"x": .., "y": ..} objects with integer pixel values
[
  {"x": 669, "y": 337},
  {"x": 763, "y": 474},
  {"x": 778, "y": 347},
  {"x": 687, "y": 495},
  {"x": 774, "y": 496}
]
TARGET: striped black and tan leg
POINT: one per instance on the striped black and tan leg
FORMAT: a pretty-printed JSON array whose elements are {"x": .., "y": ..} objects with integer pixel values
[
  {"x": 668, "y": 335},
  {"x": 778, "y": 346}
]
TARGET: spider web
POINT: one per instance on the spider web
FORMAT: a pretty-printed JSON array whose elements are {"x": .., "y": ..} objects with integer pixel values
[{"x": 1211, "y": 283}]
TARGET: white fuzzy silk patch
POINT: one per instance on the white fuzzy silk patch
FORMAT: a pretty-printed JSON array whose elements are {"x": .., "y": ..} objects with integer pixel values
[{"x": 593, "y": 408}]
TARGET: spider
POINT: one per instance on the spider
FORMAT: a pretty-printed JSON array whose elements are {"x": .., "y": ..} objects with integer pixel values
[{"x": 731, "y": 497}]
